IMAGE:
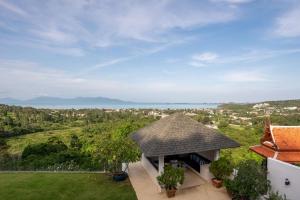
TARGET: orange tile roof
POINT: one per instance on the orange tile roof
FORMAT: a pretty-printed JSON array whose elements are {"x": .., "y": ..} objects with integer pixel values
[
  {"x": 286, "y": 138},
  {"x": 291, "y": 157},
  {"x": 284, "y": 144},
  {"x": 263, "y": 151}
]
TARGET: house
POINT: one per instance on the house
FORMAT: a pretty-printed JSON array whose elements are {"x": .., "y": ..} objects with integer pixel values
[
  {"x": 280, "y": 142},
  {"x": 181, "y": 141},
  {"x": 280, "y": 145}
]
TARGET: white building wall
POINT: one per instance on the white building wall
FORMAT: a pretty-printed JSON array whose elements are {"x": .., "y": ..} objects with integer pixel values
[
  {"x": 278, "y": 172},
  {"x": 161, "y": 164},
  {"x": 204, "y": 170},
  {"x": 153, "y": 173},
  {"x": 205, "y": 173}
]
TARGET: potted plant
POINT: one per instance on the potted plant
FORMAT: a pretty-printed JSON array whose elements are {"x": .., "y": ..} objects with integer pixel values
[
  {"x": 221, "y": 169},
  {"x": 170, "y": 179},
  {"x": 114, "y": 152}
]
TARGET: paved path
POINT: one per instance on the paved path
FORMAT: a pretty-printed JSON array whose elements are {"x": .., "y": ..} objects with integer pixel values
[{"x": 146, "y": 190}]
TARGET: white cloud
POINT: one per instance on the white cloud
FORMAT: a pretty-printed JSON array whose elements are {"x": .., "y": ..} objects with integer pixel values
[
  {"x": 202, "y": 59},
  {"x": 10, "y": 7},
  {"x": 55, "y": 36},
  {"x": 114, "y": 61},
  {"x": 232, "y": 1},
  {"x": 105, "y": 23},
  {"x": 245, "y": 76},
  {"x": 23, "y": 79},
  {"x": 205, "y": 57},
  {"x": 288, "y": 25},
  {"x": 197, "y": 64}
]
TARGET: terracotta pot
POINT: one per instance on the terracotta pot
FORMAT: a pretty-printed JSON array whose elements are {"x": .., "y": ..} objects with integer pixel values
[
  {"x": 217, "y": 183},
  {"x": 171, "y": 192}
]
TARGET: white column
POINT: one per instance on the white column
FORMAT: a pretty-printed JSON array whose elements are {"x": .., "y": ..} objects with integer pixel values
[
  {"x": 161, "y": 164},
  {"x": 217, "y": 154}
]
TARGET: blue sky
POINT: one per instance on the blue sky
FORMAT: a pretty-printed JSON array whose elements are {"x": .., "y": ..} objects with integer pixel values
[{"x": 151, "y": 51}]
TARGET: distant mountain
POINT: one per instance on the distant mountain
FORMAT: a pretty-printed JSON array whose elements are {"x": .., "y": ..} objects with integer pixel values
[{"x": 55, "y": 101}]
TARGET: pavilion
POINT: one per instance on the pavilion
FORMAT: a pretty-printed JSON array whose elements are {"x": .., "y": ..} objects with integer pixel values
[{"x": 181, "y": 141}]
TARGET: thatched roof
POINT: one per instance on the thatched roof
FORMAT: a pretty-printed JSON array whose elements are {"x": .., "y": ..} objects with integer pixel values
[{"x": 179, "y": 134}]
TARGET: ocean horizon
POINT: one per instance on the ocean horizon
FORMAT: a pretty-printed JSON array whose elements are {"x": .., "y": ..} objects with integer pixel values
[{"x": 162, "y": 106}]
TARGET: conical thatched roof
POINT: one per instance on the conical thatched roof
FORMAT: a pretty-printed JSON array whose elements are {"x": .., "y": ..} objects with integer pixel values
[{"x": 179, "y": 134}]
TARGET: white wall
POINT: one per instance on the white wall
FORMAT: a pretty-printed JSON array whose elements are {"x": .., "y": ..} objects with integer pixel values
[
  {"x": 278, "y": 172},
  {"x": 205, "y": 173},
  {"x": 210, "y": 155},
  {"x": 153, "y": 173}
]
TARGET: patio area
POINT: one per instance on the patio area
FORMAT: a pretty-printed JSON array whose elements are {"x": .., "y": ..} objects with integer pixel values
[{"x": 146, "y": 189}]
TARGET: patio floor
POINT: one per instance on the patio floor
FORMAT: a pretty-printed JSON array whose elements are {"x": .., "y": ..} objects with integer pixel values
[{"x": 147, "y": 190}]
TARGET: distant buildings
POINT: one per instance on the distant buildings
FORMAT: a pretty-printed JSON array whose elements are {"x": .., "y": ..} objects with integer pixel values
[{"x": 261, "y": 105}]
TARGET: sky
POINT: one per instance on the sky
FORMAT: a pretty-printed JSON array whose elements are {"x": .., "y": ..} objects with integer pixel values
[{"x": 151, "y": 51}]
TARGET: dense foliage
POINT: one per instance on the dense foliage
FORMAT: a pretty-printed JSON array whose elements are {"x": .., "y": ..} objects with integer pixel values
[
  {"x": 51, "y": 155},
  {"x": 275, "y": 196},
  {"x": 16, "y": 120},
  {"x": 87, "y": 139},
  {"x": 221, "y": 168},
  {"x": 88, "y": 131},
  {"x": 114, "y": 152},
  {"x": 250, "y": 182}
]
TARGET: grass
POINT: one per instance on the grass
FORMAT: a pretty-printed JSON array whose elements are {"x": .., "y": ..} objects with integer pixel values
[
  {"x": 17, "y": 144},
  {"x": 62, "y": 186}
]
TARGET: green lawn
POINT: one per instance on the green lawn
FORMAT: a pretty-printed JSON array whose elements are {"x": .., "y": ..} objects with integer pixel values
[{"x": 61, "y": 186}]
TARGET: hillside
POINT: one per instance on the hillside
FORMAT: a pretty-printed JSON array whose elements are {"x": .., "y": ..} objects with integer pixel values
[{"x": 245, "y": 106}]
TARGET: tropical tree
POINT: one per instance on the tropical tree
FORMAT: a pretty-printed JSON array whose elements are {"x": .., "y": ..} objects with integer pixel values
[
  {"x": 250, "y": 182},
  {"x": 114, "y": 152}
]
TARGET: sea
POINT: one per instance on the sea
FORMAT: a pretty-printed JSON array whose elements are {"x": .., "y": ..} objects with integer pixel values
[{"x": 161, "y": 106}]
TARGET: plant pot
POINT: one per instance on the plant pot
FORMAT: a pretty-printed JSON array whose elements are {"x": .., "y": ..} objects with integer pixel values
[
  {"x": 120, "y": 176},
  {"x": 171, "y": 192},
  {"x": 217, "y": 183}
]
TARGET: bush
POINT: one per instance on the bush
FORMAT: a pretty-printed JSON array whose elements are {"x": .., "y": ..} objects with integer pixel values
[
  {"x": 250, "y": 182},
  {"x": 171, "y": 177},
  {"x": 3, "y": 144},
  {"x": 52, "y": 146},
  {"x": 221, "y": 168},
  {"x": 55, "y": 155},
  {"x": 223, "y": 124},
  {"x": 75, "y": 142},
  {"x": 276, "y": 196}
]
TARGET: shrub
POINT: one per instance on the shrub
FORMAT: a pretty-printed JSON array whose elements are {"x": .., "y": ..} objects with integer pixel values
[
  {"x": 75, "y": 142},
  {"x": 171, "y": 177},
  {"x": 52, "y": 146},
  {"x": 223, "y": 124},
  {"x": 275, "y": 196},
  {"x": 221, "y": 168},
  {"x": 3, "y": 144},
  {"x": 250, "y": 181}
]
